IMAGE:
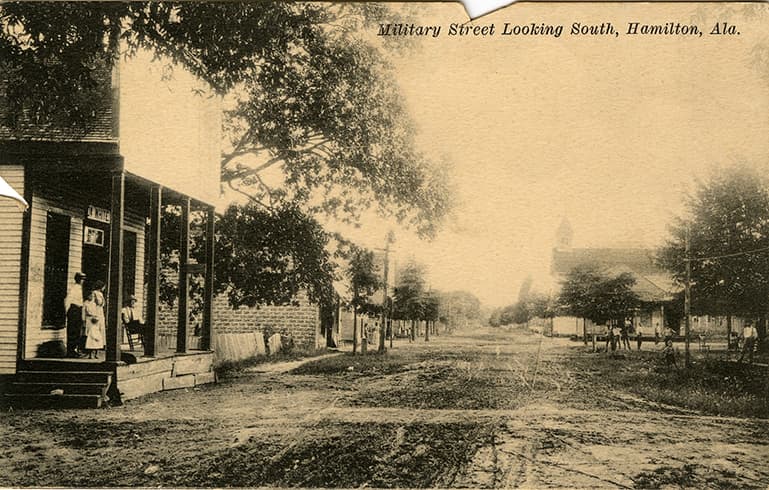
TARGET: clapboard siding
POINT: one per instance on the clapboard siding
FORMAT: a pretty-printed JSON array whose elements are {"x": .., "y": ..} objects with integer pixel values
[
  {"x": 10, "y": 269},
  {"x": 135, "y": 221},
  {"x": 43, "y": 201},
  {"x": 67, "y": 198}
]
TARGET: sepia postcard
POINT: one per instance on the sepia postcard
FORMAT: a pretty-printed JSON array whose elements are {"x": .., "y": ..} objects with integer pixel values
[{"x": 386, "y": 245}]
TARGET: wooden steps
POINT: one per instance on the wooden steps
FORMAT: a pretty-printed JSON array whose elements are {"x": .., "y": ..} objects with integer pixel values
[{"x": 59, "y": 389}]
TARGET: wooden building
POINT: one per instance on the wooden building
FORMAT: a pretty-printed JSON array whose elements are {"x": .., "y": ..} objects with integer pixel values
[
  {"x": 654, "y": 286},
  {"x": 96, "y": 194}
]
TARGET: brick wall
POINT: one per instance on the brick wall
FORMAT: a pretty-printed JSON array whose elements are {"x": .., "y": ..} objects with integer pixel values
[{"x": 301, "y": 322}]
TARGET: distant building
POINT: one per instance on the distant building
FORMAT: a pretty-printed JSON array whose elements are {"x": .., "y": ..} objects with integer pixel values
[{"x": 653, "y": 285}]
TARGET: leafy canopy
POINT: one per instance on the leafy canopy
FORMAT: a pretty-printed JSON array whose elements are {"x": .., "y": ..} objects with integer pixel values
[
  {"x": 588, "y": 292},
  {"x": 268, "y": 257},
  {"x": 307, "y": 93},
  {"x": 365, "y": 279},
  {"x": 728, "y": 224},
  {"x": 409, "y": 292}
]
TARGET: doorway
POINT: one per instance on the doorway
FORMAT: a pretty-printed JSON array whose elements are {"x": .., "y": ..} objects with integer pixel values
[
  {"x": 55, "y": 272},
  {"x": 95, "y": 264}
]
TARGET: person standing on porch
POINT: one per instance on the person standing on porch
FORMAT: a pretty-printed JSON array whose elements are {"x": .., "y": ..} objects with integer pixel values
[
  {"x": 93, "y": 316},
  {"x": 73, "y": 305}
]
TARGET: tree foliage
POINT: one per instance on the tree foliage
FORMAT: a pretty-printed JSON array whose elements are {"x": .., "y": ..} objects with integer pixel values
[
  {"x": 588, "y": 292},
  {"x": 459, "y": 308},
  {"x": 268, "y": 256},
  {"x": 365, "y": 279},
  {"x": 408, "y": 294},
  {"x": 728, "y": 224},
  {"x": 306, "y": 91}
]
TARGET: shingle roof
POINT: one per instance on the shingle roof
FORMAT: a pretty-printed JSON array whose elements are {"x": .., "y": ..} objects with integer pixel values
[
  {"x": 638, "y": 259},
  {"x": 653, "y": 284},
  {"x": 99, "y": 128}
]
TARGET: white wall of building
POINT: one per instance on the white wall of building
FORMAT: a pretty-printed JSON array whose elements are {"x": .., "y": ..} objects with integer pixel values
[{"x": 170, "y": 127}]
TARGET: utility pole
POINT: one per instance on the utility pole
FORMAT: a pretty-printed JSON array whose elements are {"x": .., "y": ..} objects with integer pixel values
[
  {"x": 383, "y": 324},
  {"x": 687, "y": 297},
  {"x": 355, "y": 320}
]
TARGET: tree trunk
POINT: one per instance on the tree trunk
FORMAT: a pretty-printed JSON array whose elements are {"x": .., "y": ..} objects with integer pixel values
[
  {"x": 354, "y": 330},
  {"x": 413, "y": 331},
  {"x": 427, "y": 331},
  {"x": 728, "y": 331}
]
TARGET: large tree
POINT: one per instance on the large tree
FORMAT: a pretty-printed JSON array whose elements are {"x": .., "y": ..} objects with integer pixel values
[
  {"x": 589, "y": 292},
  {"x": 728, "y": 227},
  {"x": 409, "y": 294},
  {"x": 459, "y": 308},
  {"x": 307, "y": 91},
  {"x": 364, "y": 280}
]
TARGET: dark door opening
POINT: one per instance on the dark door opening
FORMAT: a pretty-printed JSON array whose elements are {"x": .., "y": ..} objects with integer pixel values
[
  {"x": 95, "y": 264},
  {"x": 56, "y": 268},
  {"x": 129, "y": 264}
]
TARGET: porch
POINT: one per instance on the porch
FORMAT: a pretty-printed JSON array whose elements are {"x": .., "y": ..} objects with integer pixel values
[
  {"x": 88, "y": 214},
  {"x": 89, "y": 383}
]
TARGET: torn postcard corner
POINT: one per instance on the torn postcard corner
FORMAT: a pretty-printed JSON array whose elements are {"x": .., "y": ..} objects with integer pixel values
[
  {"x": 477, "y": 8},
  {"x": 9, "y": 192}
]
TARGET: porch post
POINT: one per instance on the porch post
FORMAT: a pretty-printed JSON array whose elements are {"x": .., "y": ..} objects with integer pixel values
[
  {"x": 115, "y": 284},
  {"x": 208, "y": 294},
  {"x": 184, "y": 278},
  {"x": 153, "y": 271},
  {"x": 26, "y": 227}
]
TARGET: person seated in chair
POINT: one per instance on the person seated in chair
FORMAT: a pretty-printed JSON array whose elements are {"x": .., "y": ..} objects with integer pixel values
[{"x": 132, "y": 321}]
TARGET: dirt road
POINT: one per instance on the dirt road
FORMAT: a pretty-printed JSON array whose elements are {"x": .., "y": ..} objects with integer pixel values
[{"x": 486, "y": 409}]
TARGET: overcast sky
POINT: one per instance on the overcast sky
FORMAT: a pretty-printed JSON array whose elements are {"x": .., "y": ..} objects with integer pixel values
[{"x": 608, "y": 132}]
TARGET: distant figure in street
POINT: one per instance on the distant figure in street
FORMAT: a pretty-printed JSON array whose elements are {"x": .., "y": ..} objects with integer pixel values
[
  {"x": 639, "y": 336},
  {"x": 668, "y": 334},
  {"x": 669, "y": 353},
  {"x": 609, "y": 337},
  {"x": 625, "y": 335},
  {"x": 749, "y": 336},
  {"x": 73, "y": 305},
  {"x": 616, "y": 334},
  {"x": 657, "y": 333}
]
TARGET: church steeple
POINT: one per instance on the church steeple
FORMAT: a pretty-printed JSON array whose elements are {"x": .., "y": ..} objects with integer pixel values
[{"x": 563, "y": 235}]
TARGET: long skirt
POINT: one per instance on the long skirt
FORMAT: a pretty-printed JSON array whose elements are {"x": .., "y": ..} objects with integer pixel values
[{"x": 94, "y": 331}]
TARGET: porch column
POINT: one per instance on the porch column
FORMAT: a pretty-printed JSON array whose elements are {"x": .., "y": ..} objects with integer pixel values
[
  {"x": 115, "y": 284},
  {"x": 184, "y": 278},
  {"x": 153, "y": 271},
  {"x": 208, "y": 293}
]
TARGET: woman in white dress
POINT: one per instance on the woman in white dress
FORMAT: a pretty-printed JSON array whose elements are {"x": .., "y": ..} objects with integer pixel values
[{"x": 93, "y": 319}]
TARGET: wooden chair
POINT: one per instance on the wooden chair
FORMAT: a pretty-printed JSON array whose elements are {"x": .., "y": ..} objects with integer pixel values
[{"x": 134, "y": 332}]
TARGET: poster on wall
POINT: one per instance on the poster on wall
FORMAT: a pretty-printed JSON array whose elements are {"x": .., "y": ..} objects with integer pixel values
[{"x": 93, "y": 236}]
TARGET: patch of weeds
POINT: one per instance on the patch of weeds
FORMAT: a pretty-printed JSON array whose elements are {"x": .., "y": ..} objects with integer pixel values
[
  {"x": 712, "y": 386},
  {"x": 227, "y": 369},
  {"x": 346, "y": 455},
  {"x": 444, "y": 387},
  {"x": 689, "y": 476},
  {"x": 362, "y": 365},
  {"x": 683, "y": 477}
]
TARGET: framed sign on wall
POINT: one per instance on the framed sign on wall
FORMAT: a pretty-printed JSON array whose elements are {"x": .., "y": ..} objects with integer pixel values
[{"x": 93, "y": 236}]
